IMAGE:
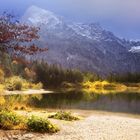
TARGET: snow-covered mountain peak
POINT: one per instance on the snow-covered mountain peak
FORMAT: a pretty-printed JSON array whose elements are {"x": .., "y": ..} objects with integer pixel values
[
  {"x": 84, "y": 46},
  {"x": 90, "y": 31},
  {"x": 37, "y": 16},
  {"x": 135, "y": 49}
]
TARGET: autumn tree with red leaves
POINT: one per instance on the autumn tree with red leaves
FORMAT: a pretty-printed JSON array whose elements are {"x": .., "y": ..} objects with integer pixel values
[{"x": 14, "y": 35}]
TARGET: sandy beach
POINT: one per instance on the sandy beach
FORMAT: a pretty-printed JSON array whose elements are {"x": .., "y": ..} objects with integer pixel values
[{"x": 93, "y": 127}]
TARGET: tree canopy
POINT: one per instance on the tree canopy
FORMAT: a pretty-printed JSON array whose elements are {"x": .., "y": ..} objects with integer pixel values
[{"x": 14, "y": 37}]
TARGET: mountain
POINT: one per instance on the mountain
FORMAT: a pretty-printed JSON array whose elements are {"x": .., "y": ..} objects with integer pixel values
[{"x": 87, "y": 47}]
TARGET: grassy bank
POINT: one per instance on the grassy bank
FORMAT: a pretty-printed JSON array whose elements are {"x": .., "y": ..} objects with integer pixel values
[
  {"x": 102, "y": 87},
  {"x": 10, "y": 120}
]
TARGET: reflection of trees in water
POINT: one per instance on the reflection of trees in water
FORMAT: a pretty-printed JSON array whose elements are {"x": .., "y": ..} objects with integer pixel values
[
  {"x": 73, "y": 98},
  {"x": 13, "y": 100},
  {"x": 119, "y": 102},
  {"x": 77, "y": 100},
  {"x": 58, "y": 100}
]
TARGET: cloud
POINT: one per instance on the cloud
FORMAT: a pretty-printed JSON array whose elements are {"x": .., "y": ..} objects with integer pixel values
[
  {"x": 119, "y": 9},
  {"x": 122, "y": 15},
  {"x": 107, "y": 9}
]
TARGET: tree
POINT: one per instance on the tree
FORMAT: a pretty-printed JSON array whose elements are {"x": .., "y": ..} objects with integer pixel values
[{"x": 14, "y": 35}]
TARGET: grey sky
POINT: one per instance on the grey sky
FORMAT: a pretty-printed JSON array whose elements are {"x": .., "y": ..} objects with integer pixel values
[{"x": 120, "y": 16}]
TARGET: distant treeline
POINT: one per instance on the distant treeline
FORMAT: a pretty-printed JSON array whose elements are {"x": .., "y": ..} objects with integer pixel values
[
  {"x": 54, "y": 75},
  {"x": 125, "y": 77},
  {"x": 40, "y": 71}
]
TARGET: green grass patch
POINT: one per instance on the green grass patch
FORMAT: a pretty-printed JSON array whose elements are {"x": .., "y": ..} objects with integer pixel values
[
  {"x": 10, "y": 120},
  {"x": 13, "y": 83},
  {"x": 62, "y": 115},
  {"x": 37, "y": 124}
]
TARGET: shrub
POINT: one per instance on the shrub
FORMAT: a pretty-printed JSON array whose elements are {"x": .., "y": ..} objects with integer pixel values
[
  {"x": 100, "y": 85},
  {"x": 37, "y": 86},
  {"x": 17, "y": 83},
  {"x": 29, "y": 85},
  {"x": 26, "y": 85},
  {"x": 62, "y": 115},
  {"x": 9, "y": 120},
  {"x": 41, "y": 125},
  {"x": 14, "y": 83}
]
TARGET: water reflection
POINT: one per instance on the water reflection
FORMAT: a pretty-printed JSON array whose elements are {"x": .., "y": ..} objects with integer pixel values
[{"x": 116, "y": 102}]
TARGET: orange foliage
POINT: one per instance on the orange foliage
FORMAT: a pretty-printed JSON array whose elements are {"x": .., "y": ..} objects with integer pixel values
[{"x": 13, "y": 33}]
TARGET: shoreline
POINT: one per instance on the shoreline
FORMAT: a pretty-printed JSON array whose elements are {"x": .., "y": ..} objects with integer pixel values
[
  {"x": 97, "y": 126},
  {"x": 26, "y": 92}
]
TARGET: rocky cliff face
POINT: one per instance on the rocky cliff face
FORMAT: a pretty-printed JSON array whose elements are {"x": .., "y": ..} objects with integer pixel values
[{"x": 88, "y": 47}]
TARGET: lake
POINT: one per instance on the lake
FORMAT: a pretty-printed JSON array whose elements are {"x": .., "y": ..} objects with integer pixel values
[{"x": 127, "y": 102}]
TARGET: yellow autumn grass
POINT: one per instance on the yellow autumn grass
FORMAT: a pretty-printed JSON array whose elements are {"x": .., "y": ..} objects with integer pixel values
[{"x": 103, "y": 87}]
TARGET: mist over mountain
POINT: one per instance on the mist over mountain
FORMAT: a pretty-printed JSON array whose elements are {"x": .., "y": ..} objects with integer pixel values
[{"x": 83, "y": 46}]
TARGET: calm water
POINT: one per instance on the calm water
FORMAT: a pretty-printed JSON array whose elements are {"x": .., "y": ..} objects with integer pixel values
[{"x": 119, "y": 102}]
